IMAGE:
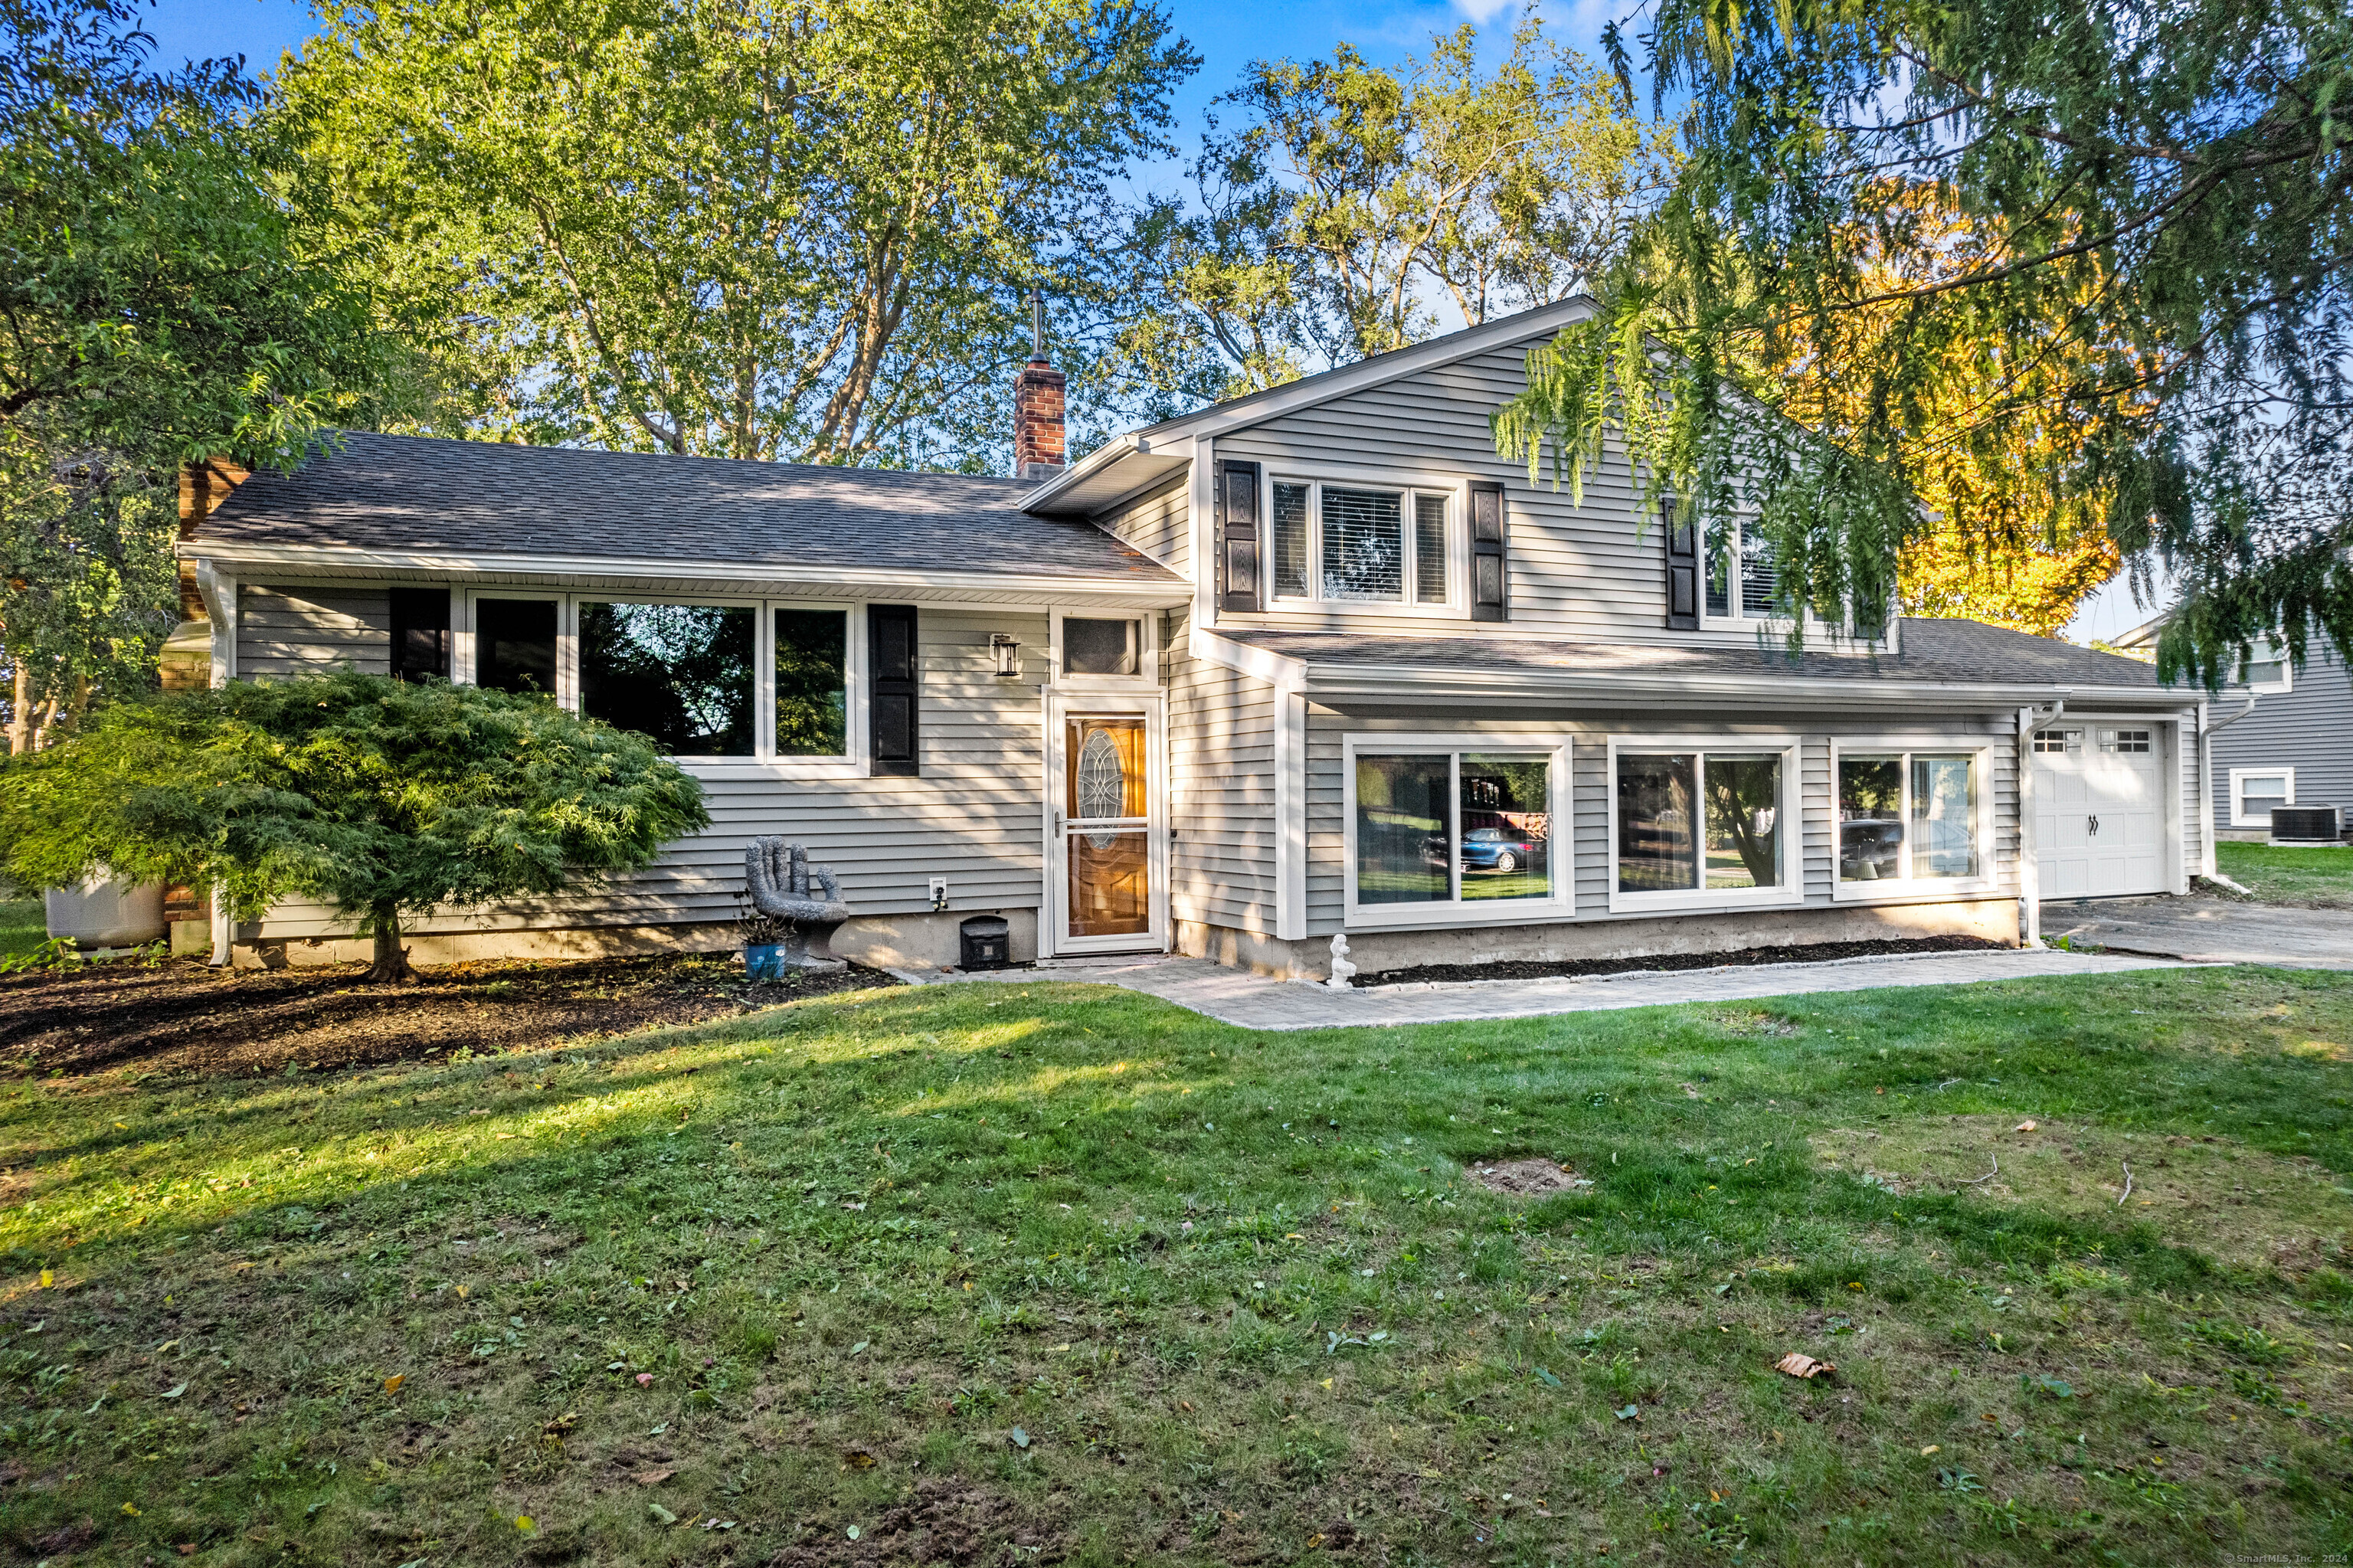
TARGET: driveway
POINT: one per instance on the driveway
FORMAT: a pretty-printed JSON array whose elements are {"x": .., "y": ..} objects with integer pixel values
[{"x": 2206, "y": 930}]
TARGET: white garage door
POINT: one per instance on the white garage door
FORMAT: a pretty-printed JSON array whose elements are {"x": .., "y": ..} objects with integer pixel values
[{"x": 2099, "y": 817}]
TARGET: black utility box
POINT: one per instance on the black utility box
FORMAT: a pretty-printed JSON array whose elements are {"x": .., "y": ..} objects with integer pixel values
[
  {"x": 2306, "y": 825},
  {"x": 988, "y": 942}
]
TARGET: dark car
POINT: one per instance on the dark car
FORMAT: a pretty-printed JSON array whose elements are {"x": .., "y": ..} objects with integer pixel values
[{"x": 1503, "y": 850}]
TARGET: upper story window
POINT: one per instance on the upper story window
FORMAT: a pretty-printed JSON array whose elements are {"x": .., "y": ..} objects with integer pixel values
[
  {"x": 1363, "y": 543},
  {"x": 1741, "y": 574},
  {"x": 2266, "y": 669}
]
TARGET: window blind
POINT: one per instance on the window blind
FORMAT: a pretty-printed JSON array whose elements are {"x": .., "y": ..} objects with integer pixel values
[{"x": 1364, "y": 544}]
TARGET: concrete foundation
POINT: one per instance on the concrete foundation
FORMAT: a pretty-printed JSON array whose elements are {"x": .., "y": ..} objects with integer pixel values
[
  {"x": 1991, "y": 919},
  {"x": 920, "y": 941}
]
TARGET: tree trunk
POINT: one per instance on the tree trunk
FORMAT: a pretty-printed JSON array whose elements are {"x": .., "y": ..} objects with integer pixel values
[
  {"x": 20, "y": 717},
  {"x": 391, "y": 965}
]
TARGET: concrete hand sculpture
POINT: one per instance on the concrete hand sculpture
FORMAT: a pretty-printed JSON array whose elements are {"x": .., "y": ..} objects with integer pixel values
[{"x": 784, "y": 886}]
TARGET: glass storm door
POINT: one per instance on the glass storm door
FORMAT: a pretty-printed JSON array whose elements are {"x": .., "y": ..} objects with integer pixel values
[{"x": 1106, "y": 833}]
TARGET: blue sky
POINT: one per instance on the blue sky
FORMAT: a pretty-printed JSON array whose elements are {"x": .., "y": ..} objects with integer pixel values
[{"x": 1228, "y": 34}]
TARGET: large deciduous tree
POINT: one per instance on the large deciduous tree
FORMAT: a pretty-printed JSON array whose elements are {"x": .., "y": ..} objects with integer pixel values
[
  {"x": 380, "y": 798},
  {"x": 158, "y": 305},
  {"x": 1353, "y": 202},
  {"x": 2144, "y": 298},
  {"x": 750, "y": 228}
]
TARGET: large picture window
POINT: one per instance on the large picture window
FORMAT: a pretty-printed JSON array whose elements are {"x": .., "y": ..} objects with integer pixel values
[
  {"x": 1693, "y": 824},
  {"x": 1909, "y": 817},
  {"x": 682, "y": 673},
  {"x": 1451, "y": 829},
  {"x": 1362, "y": 544}
]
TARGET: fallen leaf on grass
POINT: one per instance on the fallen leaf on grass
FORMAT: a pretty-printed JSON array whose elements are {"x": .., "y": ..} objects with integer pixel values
[
  {"x": 175, "y": 1394},
  {"x": 392, "y": 1384},
  {"x": 652, "y": 1478},
  {"x": 661, "y": 1515},
  {"x": 1928, "y": 1450},
  {"x": 1631, "y": 1413},
  {"x": 2023, "y": 1126},
  {"x": 525, "y": 1524},
  {"x": 645, "y": 1380},
  {"x": 858, "y": 1459},
  {"x": 47, "y": 1278},
  {"x": 1796, "y": 1363},
  {"x": 1020, "y": 1438},
  {"x": 1314, "y": 1540}
]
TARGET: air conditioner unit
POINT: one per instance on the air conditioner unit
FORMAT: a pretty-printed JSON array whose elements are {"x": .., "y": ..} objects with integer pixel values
[{"x": 2294, "y": 825}]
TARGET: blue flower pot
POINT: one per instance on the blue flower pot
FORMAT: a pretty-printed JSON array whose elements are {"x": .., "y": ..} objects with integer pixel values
[{"x": 763, "y": 961}]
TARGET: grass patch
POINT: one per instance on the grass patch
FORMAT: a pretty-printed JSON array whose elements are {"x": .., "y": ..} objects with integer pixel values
[
  {"x": 2321, "y": 878},
  {"x": 1040, "y": 1272},
  {"x": 24, "y": 926}
]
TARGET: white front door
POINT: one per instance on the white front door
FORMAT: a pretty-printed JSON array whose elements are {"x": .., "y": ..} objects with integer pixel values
[
  {"x": 1106, "y": 851},
  {"x": 2099, "y": 809}
]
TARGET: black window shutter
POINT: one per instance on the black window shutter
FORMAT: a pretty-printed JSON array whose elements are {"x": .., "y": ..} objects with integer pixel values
[
  {"x": 894, "y": 674},
  {"x": 420, "y": 633},
  {"x": 1682, "y": 568},
  {"x": 1238, "y": 533},
  {"x": 1491, "y": 576}
]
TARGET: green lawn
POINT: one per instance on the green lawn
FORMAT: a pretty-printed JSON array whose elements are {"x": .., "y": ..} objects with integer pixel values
[
  {"x": 2316, "y": 877},
  {"x": 24, "y": 926},
  {"x": 955, "y": 1273}
]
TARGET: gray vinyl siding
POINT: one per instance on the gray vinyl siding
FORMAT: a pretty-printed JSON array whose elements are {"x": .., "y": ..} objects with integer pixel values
[
  {"x": 284, "y": 631},
  {"x": 1222, "y": 837},
  {"x": 1576, "y": 570},
  {"x": 1154, "y": 523},
  {"x": 975, "y": 815},
  {"x": 2308, "y": 727},
  {"x": 1588, "y": 806}
]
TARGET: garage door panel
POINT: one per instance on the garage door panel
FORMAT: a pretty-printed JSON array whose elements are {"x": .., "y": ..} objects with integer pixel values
[{"x": 2099, "y": 824}]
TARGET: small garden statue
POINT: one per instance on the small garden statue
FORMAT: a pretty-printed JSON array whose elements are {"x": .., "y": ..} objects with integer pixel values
[
  {"x": 800, "y": 918},
  {"x": 1343, "y": 971}
]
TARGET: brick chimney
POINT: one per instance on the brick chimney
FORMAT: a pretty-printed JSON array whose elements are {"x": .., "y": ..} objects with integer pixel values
[{"x": 1038, "y": 447}]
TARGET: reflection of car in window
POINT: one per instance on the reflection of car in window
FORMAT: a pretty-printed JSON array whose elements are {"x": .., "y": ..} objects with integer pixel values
[
  {"x": 1500, "y": 850},
  {"x": 1870, "y": 848}
]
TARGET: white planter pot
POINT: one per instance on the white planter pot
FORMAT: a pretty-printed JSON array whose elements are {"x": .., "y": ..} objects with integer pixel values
[{"x": 101, "y": 914}]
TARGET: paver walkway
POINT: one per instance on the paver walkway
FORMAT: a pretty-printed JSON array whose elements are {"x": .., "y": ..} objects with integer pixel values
[
  {"x": 1254, "y": 1001},
  {"x": 2211, "y": 930}
]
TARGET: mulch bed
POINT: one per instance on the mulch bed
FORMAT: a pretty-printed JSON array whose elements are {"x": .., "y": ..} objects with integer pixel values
[
  {"x": 1810, "y": 953},
  {"x": 187, "y": 1017}
]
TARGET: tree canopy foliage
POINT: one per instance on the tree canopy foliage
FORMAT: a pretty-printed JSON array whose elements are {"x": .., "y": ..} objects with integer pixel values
[
  {"x": 750, "y": 228},
  {"x": 161, "y": 305},
  {"x": 2106, "y": 243},
  {"x": 1351, "y": 200},
  {"x": 380, "y": 798}
]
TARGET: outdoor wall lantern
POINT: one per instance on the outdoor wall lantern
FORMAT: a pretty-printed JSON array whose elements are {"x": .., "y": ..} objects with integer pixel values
[{"x": 1007, "y": 652}]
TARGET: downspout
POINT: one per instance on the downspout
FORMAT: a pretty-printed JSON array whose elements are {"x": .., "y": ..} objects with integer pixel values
[
  {"x": 219, "y": 592},
  {"x": 2030, "y": 873},
  {"x": 2206, "y": 865}
]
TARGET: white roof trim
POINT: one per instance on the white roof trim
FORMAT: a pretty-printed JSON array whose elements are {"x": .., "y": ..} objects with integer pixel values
[
  {"x": 345, "y": 558},
  {"x": 1436, "y": 681}
]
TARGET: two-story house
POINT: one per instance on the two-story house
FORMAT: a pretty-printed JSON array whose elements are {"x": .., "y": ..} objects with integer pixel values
[{"x": 1311, "y": 661}]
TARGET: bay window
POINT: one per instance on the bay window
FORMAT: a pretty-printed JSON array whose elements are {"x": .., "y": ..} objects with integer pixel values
[
  {"x": 1694, "y": 822},
  {"x": 1449, "y": 830},
  {"x": 1364, "y": 544},
  {"x": 1910, "y": 819}
]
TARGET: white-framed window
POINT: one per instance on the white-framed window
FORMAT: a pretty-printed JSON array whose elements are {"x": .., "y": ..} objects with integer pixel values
[
  {"x": 1701, "y": 821},
  {"x": 1741, "y": 576},
  {"x": 1336, "y": 539},
  {"x": 1915, "y": 814},
  {"x": 711, "y": 680},
  {"x": 1457, "y": 830},
  {"x": 2266, "y": 670},
  {"x": 1111, "y": 647},
  {"x": 2128, "y": 741},
  {"x": 2256, "y": 791},
  {"x": 2058, "y": 742}
]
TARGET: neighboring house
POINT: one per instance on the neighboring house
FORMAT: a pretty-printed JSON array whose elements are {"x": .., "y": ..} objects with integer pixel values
[
  {"x": 2292, "y": 746},
  {"x": 1312, "y": 661}
]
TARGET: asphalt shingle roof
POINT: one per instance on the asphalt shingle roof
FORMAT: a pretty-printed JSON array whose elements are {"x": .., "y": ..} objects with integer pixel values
[
  {"x": 412, "y": 493},
  {"x": 1960, "y": 652}
]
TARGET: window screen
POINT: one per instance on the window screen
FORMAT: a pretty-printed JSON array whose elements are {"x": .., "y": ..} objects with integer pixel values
[
  {"x": 1430, "y": 549},
  {"x": 1291, "y": 540},
  {"x": 1364, "y": 544},
  {"x": 1101, "y": 647},
  {"x": 514, "y": 644},
  {"x": 812, "y": 682}
]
